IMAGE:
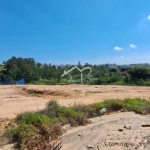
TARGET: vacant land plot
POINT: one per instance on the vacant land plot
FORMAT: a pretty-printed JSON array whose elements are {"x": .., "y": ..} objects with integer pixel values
[
  {"x": 17, "y": 99},
  {"x": 108, "y": 132}
]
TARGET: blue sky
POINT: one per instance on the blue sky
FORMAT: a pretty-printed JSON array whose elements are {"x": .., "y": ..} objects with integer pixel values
[{"x": 68, "y": 31}]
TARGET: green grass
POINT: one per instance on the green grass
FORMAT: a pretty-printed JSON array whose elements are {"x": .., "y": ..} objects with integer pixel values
[
  {"x": 137, "y": 105},
  {"x": 45, "y": 82},
  {"x": 31, "y": 92},
  {"x": 35, "y": 119},
  {"x": 64, "y": 114},
  {"x": 33, "y": 129}
]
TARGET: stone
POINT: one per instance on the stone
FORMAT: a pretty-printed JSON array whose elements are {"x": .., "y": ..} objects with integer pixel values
[
  {"x": 127, "y": 127},
  {"x": 146, "y": 125},
  {"x": 111, "y": 144},
  {"x": 120, "y": 129},
  {"x": 137, "y": 146},
  {"x": 80, "y": 134},
  {"x": 103, "y": 110},
  {"x": 90, "y": 146},
  {"x": 66, "y": 127},
  {"x": 92, "y": 128},
  {"x": 126, "y": 144}
]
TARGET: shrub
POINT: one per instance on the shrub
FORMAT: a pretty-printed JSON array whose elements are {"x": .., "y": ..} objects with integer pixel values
[
  {"x": 34, "y": 118},
  {"x": 137, "y": 105},
  {"x": 64, "y": 114},
  {"x": 82, "y": 119},
  {"x": 86, "y": 109},
  {"x": 140, "y": 82},
  {"x": 31, "y": 92},
  {"x": 11, "y": 134},
  {"x": 97, "y": 107},
  {"x": 113, "y": 105},
  {"x": 28, "y": 136},
  {"x": 73, "y": 117},
  {"x": 67, "y": 112},
  {"x": 45, "y": 82},
  {"x": 32, "y": 129},
  {"x": 51, "y": 109}
]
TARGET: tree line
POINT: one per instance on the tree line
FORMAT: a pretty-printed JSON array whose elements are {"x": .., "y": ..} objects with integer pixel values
[{"x": 38, "y": 73}]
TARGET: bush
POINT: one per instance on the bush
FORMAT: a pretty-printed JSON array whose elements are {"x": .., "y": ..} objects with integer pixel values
[
  {"x": 34, "y": 129},
  {"x": 140, "y": 82},
  {"x": 35, "y": 119},
  {"x": 73, "y": 117},
  {"x": 12, "y": 134},
  {"x": 64, "y": 114},
  {"x": 137, "y": 105},
  {"x": 51, "y": 109},
  {"x": 28, "y": 136},
  {"x": 86, "y": 109},
  {"x": 67, "y": 112},
  {"x": 31, "y": 92},
  {"x": 45, "y": 82},
  {"x": 113, "y": 105},
  {"x": 97, "y": 107},
  {"x": 82, "y": 119}
]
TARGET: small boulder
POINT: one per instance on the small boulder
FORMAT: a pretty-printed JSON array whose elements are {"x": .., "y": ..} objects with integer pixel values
[
  {"x": 80, "y": 134},
  {"x": 127, "y": 127},
  {"x": 90, "y": 146},
  {"x": 120, "y": 129}
]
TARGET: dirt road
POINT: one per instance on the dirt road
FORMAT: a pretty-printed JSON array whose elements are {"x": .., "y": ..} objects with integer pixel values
[{"x": 15, "y": 99}]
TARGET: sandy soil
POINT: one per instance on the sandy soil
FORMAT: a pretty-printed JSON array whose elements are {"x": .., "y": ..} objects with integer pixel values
[
  {"x": 122, "y": 131},
  {"x": 15, "y": 99}
]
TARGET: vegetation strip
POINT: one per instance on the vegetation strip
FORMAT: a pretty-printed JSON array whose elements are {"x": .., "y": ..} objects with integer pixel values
[
  {"x": 39, "y": 129},
  {"x": 34, "y": 72}
]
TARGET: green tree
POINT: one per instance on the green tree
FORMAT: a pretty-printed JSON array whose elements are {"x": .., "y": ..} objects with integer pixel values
[{"x": 139, "y": 72}]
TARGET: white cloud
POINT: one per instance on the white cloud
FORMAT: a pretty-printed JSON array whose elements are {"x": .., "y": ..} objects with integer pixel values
[
  {"x": 133, "y": 46},
  {"x": 148, "y": 17},
  {"x": 116, "y": 48}
]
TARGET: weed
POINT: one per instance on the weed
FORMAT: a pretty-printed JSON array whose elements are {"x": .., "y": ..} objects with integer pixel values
[
  {"x": 31, "y": 92},
  {"x": 137, "y": 105}
]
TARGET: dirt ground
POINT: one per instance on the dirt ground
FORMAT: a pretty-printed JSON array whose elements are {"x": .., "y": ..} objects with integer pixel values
[
  {"x": 15, "y": 99},
  {"x": 121, "y": 131}
]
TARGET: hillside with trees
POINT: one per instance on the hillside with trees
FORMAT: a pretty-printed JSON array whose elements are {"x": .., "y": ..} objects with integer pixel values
[{"x": 37, "y": 73}]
